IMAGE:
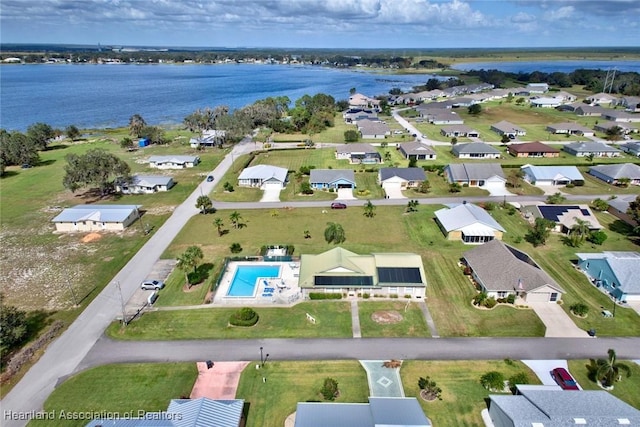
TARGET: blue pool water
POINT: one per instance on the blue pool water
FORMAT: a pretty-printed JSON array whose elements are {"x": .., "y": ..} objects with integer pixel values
[{"x": 244, "y": 281}]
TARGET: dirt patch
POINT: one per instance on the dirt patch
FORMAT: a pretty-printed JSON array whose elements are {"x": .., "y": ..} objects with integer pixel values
[
  {"x": 386, "y": 317},
  {"x": 91, "y": 237}
]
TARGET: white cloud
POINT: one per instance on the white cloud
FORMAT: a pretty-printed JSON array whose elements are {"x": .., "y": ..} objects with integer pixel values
[{"x": 565, "y": 12}]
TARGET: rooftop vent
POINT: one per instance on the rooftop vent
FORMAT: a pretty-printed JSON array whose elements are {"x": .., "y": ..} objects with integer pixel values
[{"x": 580, "y": 421}]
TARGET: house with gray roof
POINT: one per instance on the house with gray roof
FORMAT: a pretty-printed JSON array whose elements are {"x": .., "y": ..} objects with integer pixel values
[
  {"x": 551, "y": 175},
  {"x": 84, "y": 218},
  {"x": 417, "y": 150},
  {"x": 545, "y": 102},
  {"x": 458, "y": 131},
  {"x": 632, "y": 148},
  {"x": 619, "y": 206},
  {"x": 505, "y": 128},
  {"x": 569, "y": 128},
  {"x": 341, "y": 271},
  {"x": 144, "y": 184},
  {"x": 585, "y": 110},
  {"x": 540, "y": 407},
  {"x": 358, "y": 153},
  {"x": 615, "y": 272},
  {"x": 324, "y": 179},
  {"x": 584, "y": 149},
  {"x": 630, "y": 103},
  {"x": 184, "y": 413},
  {"x": 263, "y": 176},
  {"x": 400, "y": 178},
  {"x": 444, "y": 117},
  {"x": 379, "y": 412},
  {"x": 354, "y": 114},
  {"x": 625, "y": 128},
  {"x": 613, "y": 173},
  {"x": 468, "y": 223},
  {"x": 173, "y": 162},
  {"x": 621, "y": 116},
  {"x": 501, "y": 270},
  {"x": 483, "y": 175},
  {"x": 602, "y": 98},
  {"x": 475, "y": 150},
  {"x": 373, "y": 129}
]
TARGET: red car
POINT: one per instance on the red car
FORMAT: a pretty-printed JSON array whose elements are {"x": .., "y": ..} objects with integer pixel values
[
  {"x": 336, "y": 205},
  {"x": 564, "y": 379}
]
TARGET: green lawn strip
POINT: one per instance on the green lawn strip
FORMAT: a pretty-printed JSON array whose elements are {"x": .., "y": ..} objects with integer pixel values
[
  {"x": 628, "y": 389},
  {"x": 288, "y": 383},
  {"x": 333, "y": 320},
  {"x": 367, "y": 186},
  {"x": 463, "y": 398},
  {"x": 175, "y": 293},
  {"x": 593, "y": 185},
  {"x": 412, "y": 324},
  {"x": 123, "y": 388}
]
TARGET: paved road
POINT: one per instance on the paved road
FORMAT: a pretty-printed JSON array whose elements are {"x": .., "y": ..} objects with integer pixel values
[
  {"x": 110, "y": 351},
  {"x": 65, "y": 354}
]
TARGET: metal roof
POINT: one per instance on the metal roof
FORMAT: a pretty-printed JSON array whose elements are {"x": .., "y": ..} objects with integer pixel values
[
  {"x": 621, "y": 203},
  {"x": 617, "y": 171},
  {"x": 464, "y": 215},
  {"x": 356, "y": 148},
  {"x": 98, "y": 213},
  {"x": 264, "y": 172},
  {"x": 331, "y": 175},
  {"x": 546, "y": 173},
  {"x": 174, "y": 159},
  {"x": 624, "y": 265},
  {"x": 415, "y": 148},
  {"x": 409, "y": 174},
  {"x": 149, "y": 180}
]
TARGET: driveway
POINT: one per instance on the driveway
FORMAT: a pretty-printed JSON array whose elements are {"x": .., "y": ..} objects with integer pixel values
[
  {"x": 556, "y": 320},
  {"x": 218, "y": 382},
  {"x": 634, "y": 305},
  {"x": 500, "y": 191},
  {"x": 394, "y": 193},
  {"x": 543, "y": 368},
  {"x": 383, "y": 382},
  {"x": 271, "y": 194},
  {"x": 345, "y": 194}
]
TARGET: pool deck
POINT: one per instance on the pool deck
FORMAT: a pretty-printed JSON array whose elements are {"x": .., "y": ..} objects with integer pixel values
[{"x": 285, "y": 287}]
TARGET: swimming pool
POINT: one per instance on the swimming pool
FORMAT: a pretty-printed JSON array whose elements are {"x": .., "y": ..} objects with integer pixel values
[{"x": 246, "y": 276}]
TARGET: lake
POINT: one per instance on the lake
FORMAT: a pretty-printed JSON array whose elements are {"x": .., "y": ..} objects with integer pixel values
[
  {"x": 101, "y": 96},
  {"x": 567, "y": 66}
]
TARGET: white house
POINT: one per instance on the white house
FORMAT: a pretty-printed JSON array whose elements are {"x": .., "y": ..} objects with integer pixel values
[
  {"x": 85, "y": 218},
  {"x": 551, "y": 175},
  {"x": 263, "y": 176},
  {"x": 145, "y": 184},
  {"x": 173, "y": 162},
  {"x": 469, "y": 223},
  {"x": 488, "y": 176},
  {"x": 400, "y": 178}
]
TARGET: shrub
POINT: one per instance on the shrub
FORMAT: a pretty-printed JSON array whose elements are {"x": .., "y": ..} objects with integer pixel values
[
  {"x": 511, "y": 298},
  {"x": 430, "y": 388},
  {"x": 492, "y": 381},
  {"x": 393, "y": 296},
  {"x": 570, "y": 185},
  {"x": 407, "y": 296},
  {"x": 329, "y": 389},
  {"x": 366, "y": 296},
  {"x": 196, "y": 277},
  {"x": 579, "y": 309},
  {"x": 519, "y": 378},
  {"x": 490, "y": 302},
  {"x": 489, "y": 206},
  {"x": 320, "y": 295},
  {"x": 599, "y": 205},
  {"x": 578, "y": 183},
  {"x": 228, "y": 187},
  {"x": 235, "y": 248},
  {"x": 480, "y": 298},
  {"x": 246, "y": 316},
  {"x": 597, "y": 237}
]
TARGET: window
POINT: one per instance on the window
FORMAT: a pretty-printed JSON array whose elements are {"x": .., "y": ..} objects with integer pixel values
[
  {"x": 553, "y": 297},
  {"x": 393, "y": 290},
  {"x": 502, "y": 294}
]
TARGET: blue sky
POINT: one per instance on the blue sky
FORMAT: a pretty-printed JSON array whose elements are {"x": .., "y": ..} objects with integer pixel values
[{"x": 323, "y": 23}]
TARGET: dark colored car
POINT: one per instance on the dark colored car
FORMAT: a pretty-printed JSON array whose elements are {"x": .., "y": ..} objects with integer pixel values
[
  {"x": 210, "y": 178},
  {"x": 564, "y": 379},
  {"x": 336, "y": 205}
]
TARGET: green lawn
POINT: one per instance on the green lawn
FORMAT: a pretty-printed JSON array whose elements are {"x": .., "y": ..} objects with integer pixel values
[
  {"x": 411, "y": 325},
  {"x": 627, "y": 390},
  {"x": 463, "y": 398},
  {"x": 333, "y": 320},
  {"x": 123, "y": 388},
  {"x": 593, "y": 185},
  {"x": 288, "y": 383},
  {"x": 175, "y": 293}
]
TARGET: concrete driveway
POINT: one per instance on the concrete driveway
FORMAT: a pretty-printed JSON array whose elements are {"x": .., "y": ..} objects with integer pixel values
[
  {"x": 394, "y": 193},
  {"x": 345, "y": 194},
  {"x": 556, "y": 320},
  {"x": 543, "y": 368},
  {"x": 501, "y": 191},
  {"x": 271, "y": 194}
]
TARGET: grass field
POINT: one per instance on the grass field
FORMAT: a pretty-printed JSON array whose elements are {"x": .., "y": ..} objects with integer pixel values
[
  {"x": 627, "y": 390},
  {"x": 124, "y": 389},
  {"x": 411, "y": 325}
]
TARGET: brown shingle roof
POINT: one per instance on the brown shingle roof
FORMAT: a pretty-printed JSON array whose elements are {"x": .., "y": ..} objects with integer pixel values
[{"x": 532, "y": 147}]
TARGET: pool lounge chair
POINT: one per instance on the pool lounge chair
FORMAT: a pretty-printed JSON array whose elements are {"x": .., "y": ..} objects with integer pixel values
[{"x": 269, "y": 294}]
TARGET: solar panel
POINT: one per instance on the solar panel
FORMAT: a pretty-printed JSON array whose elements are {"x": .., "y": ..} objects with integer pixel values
[
  {"x": 585, "y": 212},
  {"x": 399, "y": 275},
  {"x": 553, "y": 212},
  {"x": 343, "y": 281}
]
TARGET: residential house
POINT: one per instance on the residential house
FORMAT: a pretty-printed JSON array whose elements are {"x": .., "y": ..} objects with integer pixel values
[
  {"x": 584, "y": 149},
  {"x": 615, "y": 272},
  {"x": 551, "y": 175},
  {"x": 324, "y": 179},
  {"x": 173, "y": 162},
  {"x": 565, "y": 216},
  {"x": 488, "y": 176},
  {"x": 502, "y": 270},
  {"x": 632, "y": 148},
  {"x": 361, "y": 101},
  {"x": 590, "y": 110},
  {"x": 533, "y": 149},
  {"x": 428, "y": 95},
  {"x": 602, "y": 99},
  {"x": 625, "y": 127},
  {"x": 545, "y": 102},
  {"x": 144, "y": 184},
  {"x": 464, "y": 102},
  {"x": 613, "y": 173},
  {"x": 263, "y": 176},
  {"x": 209, "y": 138},
  {"x": 379, "y": 412},
  {"x": 417, "y": 150},
  {"x": 400, "y": 178},
  {"x": 468, "y": 223},
  {"x": 358, "y": 153},
  {"x": 505, "y": 128},
  {"x": 433, "y": 107},
  {"x": 370, "y": 129},
  {"x": 459, "y": 131},
  {"x": 569, "y": 129},
  {"x": 443, "y": 117},
  {"x": 621, "y": 116},
  {"x": 537, "y": 406},
  {"x": 619, "y": 206},
  {"x": 569, "y": 107},
  {"x": 354, "y": 114},
  {"x": 565, "y": 96},
  {"x": 96, "y": 218},
  {"x": 537, "y": 88},
  {"x": 341, "y": 271},
  {"x": 184, "y": 413},
  {"x": 630, "y": 103},
  {"x": 475, "y": 150}
]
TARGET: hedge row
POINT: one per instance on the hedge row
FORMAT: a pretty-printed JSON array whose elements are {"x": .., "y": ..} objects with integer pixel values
[{"x": 318, "y": 295}]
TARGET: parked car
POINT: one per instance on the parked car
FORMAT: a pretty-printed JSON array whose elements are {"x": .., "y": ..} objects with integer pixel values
[
  {"x": 210, "y": 178},
  {"x": 152, "y": 298},
  {"x": 564, "y": 379},
  {"x": 336, "y": 205},
  {"x": 152, "y": 285}
]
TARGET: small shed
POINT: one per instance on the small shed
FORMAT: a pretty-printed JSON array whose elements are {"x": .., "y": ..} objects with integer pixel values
[{"x": 143, "y": 142}]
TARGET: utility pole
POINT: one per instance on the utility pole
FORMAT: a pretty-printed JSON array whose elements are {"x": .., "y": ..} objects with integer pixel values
[{"x": 124, "y": 314}]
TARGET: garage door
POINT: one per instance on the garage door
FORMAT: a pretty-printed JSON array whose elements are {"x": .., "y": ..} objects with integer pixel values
[
  {"x": 273, "y": 186},
  {"x": 493, "y": 185},
  {"x": 392, "y": 186},
  {"x": 538, "y": 297}
]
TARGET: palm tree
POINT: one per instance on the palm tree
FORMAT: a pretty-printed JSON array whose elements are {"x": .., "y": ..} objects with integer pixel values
[
  {"x": 334, "y": 233},
  {"x": 219, "y": 224},
  {"x": 235, "y": 218},
  {"x": 580, "y": 229},
  {"x": 204, "y": 204},
  {"x": 189, "y": 259},
  {"x": 136, "y": 124},
  {"x": 369, "y": 209},
  {"x": 609, "y": 369}
]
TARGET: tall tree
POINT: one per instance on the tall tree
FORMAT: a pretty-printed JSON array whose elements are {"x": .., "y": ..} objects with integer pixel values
[
  {"x": 13, "y": 326},
  {"x": 95, "y": 167},
  {"x": 334, "y": 233},
  {"x": 204, "y": 204},
  {"x": 634, "y": 212},
  {"x": 580, "y": 229},
  {"x": 218, "y": 223},
  {"x": 609, "y": 369},
  {"x": 235, "y": 218},
  {"x": 72, "y": 132},
  {"x": 17, "y": 149},
  {"x": 136, "y": 124},
  {"x": 40, "y": 134},
  {"x": 369, "y": 209},
  {"x": 190, "y": 259},
  {"x": 539, "y": 232}
]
